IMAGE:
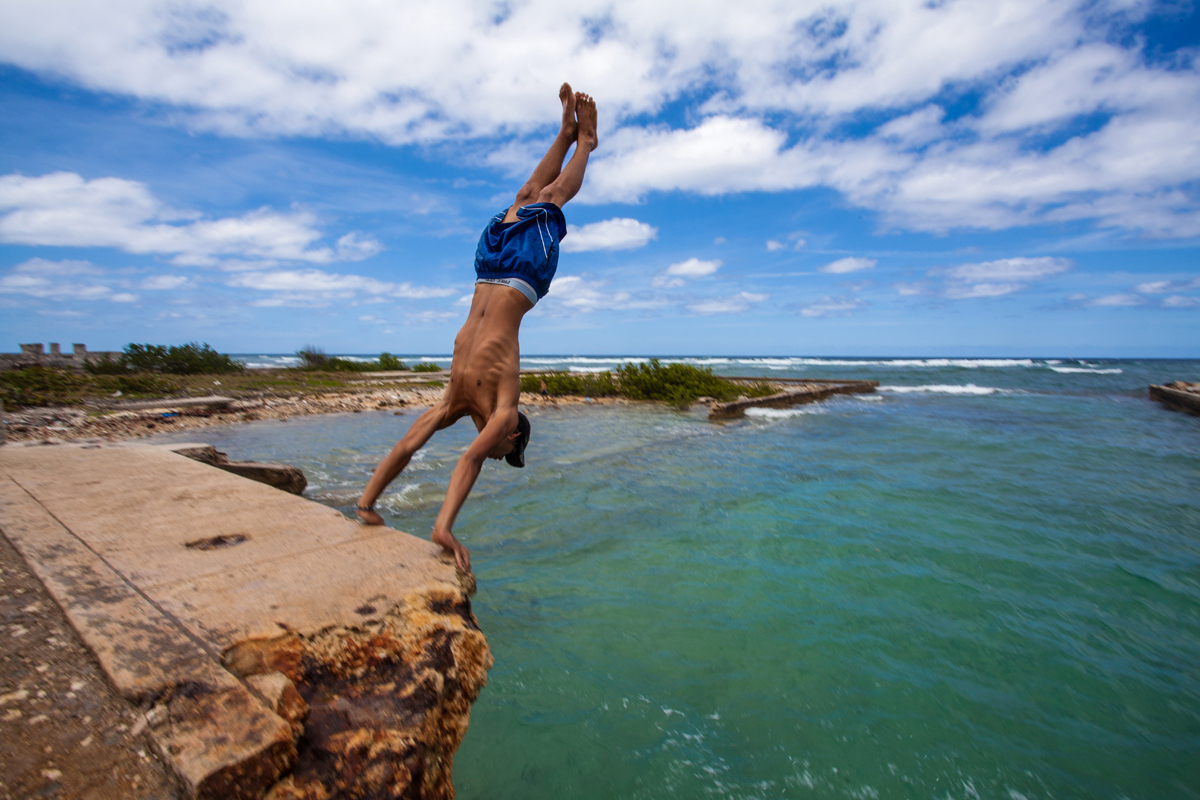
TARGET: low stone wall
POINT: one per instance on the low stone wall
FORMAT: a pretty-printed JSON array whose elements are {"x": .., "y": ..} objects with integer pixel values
[
  {"x": 809, "y": 392},
  {"x": 33, "y": 355}
]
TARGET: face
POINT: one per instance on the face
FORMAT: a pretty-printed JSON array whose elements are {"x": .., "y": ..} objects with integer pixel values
[{"x": 505, "y": 447}]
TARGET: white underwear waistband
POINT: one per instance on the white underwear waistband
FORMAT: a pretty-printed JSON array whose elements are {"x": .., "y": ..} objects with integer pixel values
[{"x": 516, "y": 283}]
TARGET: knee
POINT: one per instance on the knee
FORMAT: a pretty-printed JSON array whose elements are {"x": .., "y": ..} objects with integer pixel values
[{"x": 526, "y": 196}]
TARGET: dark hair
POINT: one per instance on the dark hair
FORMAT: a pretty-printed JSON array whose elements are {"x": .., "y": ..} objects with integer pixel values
[{"x": 517, "y": 457}]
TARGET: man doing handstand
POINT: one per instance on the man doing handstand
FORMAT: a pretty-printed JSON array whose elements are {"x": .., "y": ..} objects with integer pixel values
[{"x": 514, "y": 264}]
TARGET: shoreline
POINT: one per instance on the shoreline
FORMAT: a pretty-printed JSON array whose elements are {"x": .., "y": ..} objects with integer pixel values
[{"x": 56, "y": 424}]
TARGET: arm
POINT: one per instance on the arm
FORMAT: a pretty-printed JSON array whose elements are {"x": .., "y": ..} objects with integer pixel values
[
  {"x": 466, "y": 471},
  {"x": 426, "y": 425}
]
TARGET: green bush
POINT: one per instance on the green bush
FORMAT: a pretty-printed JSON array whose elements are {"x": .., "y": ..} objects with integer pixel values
[
  {"x": 45, "y": 386},
  {"x": 192, "y": 358},
  {"x": 312, "y": 357},
  {"x": 315, "y": 360},
  {"x": 106, "y": 366},
  {"x": 681, "y": 384},
  {"x": 389, "y": 362},
  {"x": 597, "y": 384},
  {"x": 426, "y": 366}
]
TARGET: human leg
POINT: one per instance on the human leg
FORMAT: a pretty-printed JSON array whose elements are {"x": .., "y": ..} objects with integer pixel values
[
  {"x": 395, "y": 461},
  {"x": 551, "y": 164},
  {"x": 566, "y": 185}
]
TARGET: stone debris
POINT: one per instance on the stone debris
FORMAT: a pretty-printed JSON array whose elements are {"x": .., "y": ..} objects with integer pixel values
[
  {"x": 80, "y": 423},
  {"x": 81, "y": 746}
]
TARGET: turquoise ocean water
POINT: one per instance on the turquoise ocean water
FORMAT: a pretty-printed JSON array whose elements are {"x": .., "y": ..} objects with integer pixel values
[{"x": 981, "y": 582}]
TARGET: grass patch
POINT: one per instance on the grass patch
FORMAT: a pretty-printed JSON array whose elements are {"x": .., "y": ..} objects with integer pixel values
[
  {"x": 46, "y": 386},
  {"x": 426, "y": 366}
]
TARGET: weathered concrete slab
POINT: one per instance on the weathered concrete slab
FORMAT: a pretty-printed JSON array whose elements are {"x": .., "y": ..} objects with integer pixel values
[
  {"x": 169, "y": 567},
  {"x": 803, "y": 393},
  {"x": 218, "y": 739},
  {"x": 170, "y": 403}
]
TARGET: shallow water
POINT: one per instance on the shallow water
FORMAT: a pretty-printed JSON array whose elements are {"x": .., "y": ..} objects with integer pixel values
[{"x": 985, "y": 586}]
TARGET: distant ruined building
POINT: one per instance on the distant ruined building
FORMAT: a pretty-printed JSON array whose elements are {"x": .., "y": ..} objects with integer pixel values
[{"x": 33, "y": 355}]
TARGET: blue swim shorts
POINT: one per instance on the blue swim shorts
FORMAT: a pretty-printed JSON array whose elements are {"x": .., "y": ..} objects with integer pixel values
[{"x": 522, "y": 254}]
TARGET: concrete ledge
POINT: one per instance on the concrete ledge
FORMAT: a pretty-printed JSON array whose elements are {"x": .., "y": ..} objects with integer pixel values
[
  {"x": 790, "y": 397},
  {"x": 1177, "y": 396},
  {"x": 217, "y": 739},
  {"x": 371, "y": 628}
]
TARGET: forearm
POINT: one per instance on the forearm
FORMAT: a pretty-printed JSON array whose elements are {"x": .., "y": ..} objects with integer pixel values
[{"x": 465, "y": 474}]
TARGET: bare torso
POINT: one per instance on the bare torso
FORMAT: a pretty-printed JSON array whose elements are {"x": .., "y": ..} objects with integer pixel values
[{"x": 485, "y": 373}]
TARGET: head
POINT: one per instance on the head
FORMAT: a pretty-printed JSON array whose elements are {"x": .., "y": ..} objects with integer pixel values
[{"x": 512, "y": 447}]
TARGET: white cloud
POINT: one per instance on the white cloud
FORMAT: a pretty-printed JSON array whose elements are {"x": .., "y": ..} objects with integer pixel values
[
  {"x": 966, "y": 291},
  {"x": 619, "y": 233},
  {"x": 844, "y": 265},
  {"x": 1118, "y": 300},
  {"x": 1071, "y": 125},
  {"x": 1163, "y": 287},
  {"x": 430, "y": 316},
  {"x": 165, "y": 282},
  {"x": 833, "y": 307},
  {"x": 679, "y": 273},
  {"x": 305, "y": 287},
  {"x": 773, "y": 245},
  {"x": 910, "y": 289},
  {"x": 61, "y": 280},
  {"x": 1180, "y": 301},
  {"x": 694, "y": 268},
  {"x": 64, "y": 210},
  {"x": 573, "y": 294},
  {"x": 1009, "y": 269},
  {"x": 735, "y": 304},
  {"x": 1000, "y": 277}
]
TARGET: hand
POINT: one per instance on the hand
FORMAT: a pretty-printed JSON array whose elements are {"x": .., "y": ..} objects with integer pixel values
[{"x": 462, "y": 556}]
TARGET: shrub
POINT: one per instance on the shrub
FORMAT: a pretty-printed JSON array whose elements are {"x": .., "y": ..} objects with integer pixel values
[
  {"x": 426, "y": 366},
  {"x": 192, "y": 358},
  {"x": 107, "y": 365},
  {"x": 389, "y": 362},
  {"x": 598, "y": 384},
  {"x": 312, "y": 357},
  {"x": 315, "y": 360},
  {"x": 681, "y": 384}
]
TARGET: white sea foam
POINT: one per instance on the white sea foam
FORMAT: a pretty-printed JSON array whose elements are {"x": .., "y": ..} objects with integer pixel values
[
  {"x": 781, "y": 413},
  {"x": 1089, "y": 370},
  {"x": 574, "y": 368},
  {"x": 969, "y": 388}
]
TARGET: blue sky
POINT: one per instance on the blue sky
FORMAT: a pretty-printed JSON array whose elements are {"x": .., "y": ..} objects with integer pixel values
[{"x": 1018, "y": 177}]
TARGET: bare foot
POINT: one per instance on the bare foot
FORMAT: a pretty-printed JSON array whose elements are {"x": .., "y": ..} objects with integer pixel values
[
  {"x": 369, "y": 517},
  {"x": 462, "y": 556},
  {"x": 570, "y": 127},
  {"x": 585, "y": 111}
]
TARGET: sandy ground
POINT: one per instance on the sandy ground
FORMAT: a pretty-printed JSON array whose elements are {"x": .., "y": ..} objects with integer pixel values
[
  {"x": 64, "y": 733},
  {"x": 70, "y": 423}
]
